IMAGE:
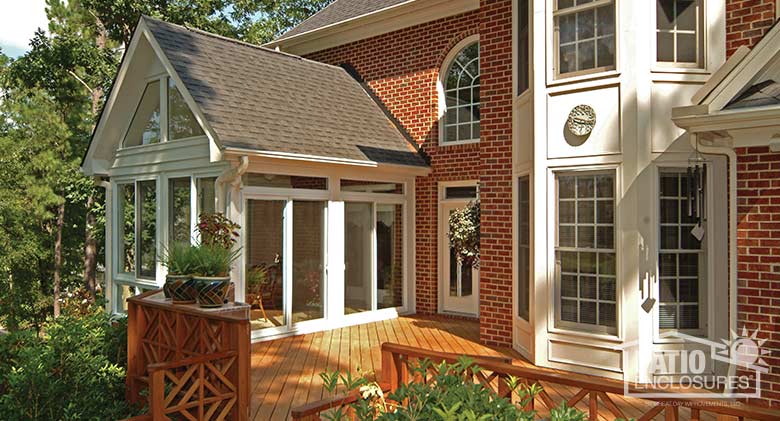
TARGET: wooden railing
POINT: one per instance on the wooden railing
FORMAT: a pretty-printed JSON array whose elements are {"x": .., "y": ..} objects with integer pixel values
[
  {"x": 193, "y": 363},
  {"x": 397, "y": 361}
]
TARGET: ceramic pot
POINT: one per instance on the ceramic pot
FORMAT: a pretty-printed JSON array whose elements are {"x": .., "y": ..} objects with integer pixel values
[
  {"x": 212, "y": 290},
  {"x": 181, "y": 289}
]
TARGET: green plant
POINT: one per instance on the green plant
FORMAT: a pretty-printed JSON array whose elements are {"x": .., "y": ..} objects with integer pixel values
[
  {"x": 464, "y": 232},
  {"x": 71, "y": 372},
  {"x": 447, "y": 395},
  {"x": 216, "y": 229},
  {"x": 179, "y": 258},
  {"x": 211, "y": 260}
]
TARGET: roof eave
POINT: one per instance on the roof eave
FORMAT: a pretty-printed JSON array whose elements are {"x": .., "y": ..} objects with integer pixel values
[
  {"x": 389, "y": 19},
  {"x": 737, "y": 119}
]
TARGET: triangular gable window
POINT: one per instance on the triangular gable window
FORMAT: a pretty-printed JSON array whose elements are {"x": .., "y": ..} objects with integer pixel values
[
  {"x": 181, "y": 122},
  {"x": 145, "y": 127}
]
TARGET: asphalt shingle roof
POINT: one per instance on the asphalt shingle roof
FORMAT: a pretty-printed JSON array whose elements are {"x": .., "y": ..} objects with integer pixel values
[
  {"x": 261, "y": 99},
  {"x": 338, "y": 11},
  {"x": 761, "y": 94}
]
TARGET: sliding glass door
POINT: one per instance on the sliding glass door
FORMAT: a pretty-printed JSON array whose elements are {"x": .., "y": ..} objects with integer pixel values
[{"x": 285, "y": 260}]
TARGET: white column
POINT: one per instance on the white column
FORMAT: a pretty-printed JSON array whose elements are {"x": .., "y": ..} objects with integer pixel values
[{"x": 335, "y": 263}]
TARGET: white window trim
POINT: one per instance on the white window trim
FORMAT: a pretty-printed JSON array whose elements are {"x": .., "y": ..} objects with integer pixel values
[
  {"x": 702, "y": 39},
  {"x": 440, "y": 84},
  {"x": 715, "y": 233},
  {"x": 617, "y": 334},
  {"x": 556, "y": 78}
]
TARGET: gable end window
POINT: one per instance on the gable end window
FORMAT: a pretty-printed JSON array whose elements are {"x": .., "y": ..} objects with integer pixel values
[
  {"x": 460, "y": 93},
  {"x": 153, "y": 124},
  {"x": 678, "y": 32},
  {"x": 584, "y": 36}
]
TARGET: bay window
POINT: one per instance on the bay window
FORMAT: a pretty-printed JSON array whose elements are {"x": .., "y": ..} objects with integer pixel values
[
  {"x": 146, "y": 229},
  {"x": 523, "y": 248},
  {"x": 586, "y": 275},
  {"x": 179, "y": 210},
  {"x": 584, "y": 36},
  {"x": 679, "y": 32},
  {"x": 681, "y": 258}
]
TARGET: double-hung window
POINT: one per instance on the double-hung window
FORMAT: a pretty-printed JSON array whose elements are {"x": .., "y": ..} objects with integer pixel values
[
  {"x": 584, "y": 36},
  {"x": 586, "y": 275},
  {"x": 679, "y": 40},
  {"x": 681, "y": 258}
]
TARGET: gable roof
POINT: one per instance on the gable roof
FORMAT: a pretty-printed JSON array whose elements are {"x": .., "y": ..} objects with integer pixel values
[
  {"x": 259, "y": 99},
  {"x": 760, "y": 94},
  {"x": 340, "y": 11}
]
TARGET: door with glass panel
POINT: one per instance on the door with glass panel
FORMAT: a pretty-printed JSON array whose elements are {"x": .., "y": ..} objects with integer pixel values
[
  {"x": 285, "y": 263},
  {"x": 458, "y": 278}
]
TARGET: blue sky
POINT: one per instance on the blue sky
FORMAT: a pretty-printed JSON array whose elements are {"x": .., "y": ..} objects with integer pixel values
[{"x": 18, "y": 21}]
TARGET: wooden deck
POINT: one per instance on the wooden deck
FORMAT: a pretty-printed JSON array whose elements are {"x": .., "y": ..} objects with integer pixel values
[{"x": 285, "y": 372}]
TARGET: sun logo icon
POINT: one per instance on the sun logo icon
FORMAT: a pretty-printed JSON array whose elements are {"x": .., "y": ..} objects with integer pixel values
[{"x": 744, "y": 350}]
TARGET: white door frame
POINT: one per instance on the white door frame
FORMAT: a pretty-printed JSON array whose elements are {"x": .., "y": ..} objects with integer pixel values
[{"x": 453, "y": 305}]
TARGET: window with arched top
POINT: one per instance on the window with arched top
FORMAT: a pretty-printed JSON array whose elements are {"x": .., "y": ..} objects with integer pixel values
[{"x": 459, "y": 94}]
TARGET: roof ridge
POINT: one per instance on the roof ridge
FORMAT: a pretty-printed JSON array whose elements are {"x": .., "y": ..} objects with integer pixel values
[{"x": 243, "y": 43}]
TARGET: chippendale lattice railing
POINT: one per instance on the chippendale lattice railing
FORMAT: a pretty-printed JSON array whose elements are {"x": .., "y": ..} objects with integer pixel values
[
  {"x": 194, "y": 363},
  {"x": 400, "y": 365}
]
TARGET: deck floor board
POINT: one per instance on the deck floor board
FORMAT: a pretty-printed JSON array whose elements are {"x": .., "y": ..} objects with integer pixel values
[{"x": 286, "y": 372}]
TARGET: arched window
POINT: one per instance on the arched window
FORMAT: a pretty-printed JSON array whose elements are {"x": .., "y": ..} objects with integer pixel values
[{"x": 459, "y": 93}]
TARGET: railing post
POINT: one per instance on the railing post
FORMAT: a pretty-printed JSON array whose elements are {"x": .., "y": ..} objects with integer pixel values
[
  {"x": 593, "y": 406},
  {"x": 157, "y": 395},
  {"x": 503, "y": 388},
  {"x": 671, "y": 413}
]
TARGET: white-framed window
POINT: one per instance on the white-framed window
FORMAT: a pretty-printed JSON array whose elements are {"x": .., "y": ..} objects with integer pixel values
[
  {"x": 681, "y": 258},
  {"x": 523, "y": 45},
  {"x": 679, "y": 33},
  {"x": 523, "y": 247},
  {"x": 459, "y": 94},
  {"x": 586, "y": 272},
  {"x": 584, "y": 39},
  {"x": 153, "y": 123}
]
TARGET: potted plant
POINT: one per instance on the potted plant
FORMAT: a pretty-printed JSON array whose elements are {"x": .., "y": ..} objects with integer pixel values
[
  {"x": 179, "y": 285},
  {"x": 211, "y": 273}
]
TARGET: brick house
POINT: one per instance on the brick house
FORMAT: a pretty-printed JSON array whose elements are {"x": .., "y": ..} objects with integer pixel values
[{"x": 581, "y": 127}]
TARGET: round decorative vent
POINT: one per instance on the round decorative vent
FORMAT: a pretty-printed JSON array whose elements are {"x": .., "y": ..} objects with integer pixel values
[{"x": 581, "y": 120}]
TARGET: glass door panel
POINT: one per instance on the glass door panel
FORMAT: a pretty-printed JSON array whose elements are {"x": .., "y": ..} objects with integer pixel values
[
  {"x": 308, "y": 277},
  {"x": 265, "y": 289},
  {"x": 358, "y": 247},
  {"x": 389, "y": 255}
]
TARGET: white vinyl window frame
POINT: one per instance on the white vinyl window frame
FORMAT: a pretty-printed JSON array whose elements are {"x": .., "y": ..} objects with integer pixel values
[
  {"x": 706, "y": 265},
  {"x": 556, "y": 324},
  {"x": 701, "y": 39},
  {"x": 525, "y": 245},
  {"x": 441, "y": 84},
  {"x": 163, "y": 81},
  {"x": 556, "y": 42}
]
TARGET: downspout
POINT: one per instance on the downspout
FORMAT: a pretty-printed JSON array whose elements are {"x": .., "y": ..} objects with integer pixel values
[
  {"x": 233, "y": 176},
  {"x": 732, "y": 157},
  {"x": 108, "y": 280}
]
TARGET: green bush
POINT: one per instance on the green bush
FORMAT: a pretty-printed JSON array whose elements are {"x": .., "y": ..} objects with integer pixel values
[
  {"x": 447, "y": 396},
  {"x": 74, "y": 371}
]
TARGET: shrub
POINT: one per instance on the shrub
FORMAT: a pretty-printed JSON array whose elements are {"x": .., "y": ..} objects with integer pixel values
[
  {"x": 74, "y": 371},
  {"x": 447, "y": 395},
  {"x": 216, "y": 229}
]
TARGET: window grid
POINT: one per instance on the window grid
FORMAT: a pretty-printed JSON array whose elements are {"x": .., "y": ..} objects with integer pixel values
[
  {"x": 462, "y": 96},
  {"x": 524, "y": 248},
  {"x": 587, "y": 280},
  {"x": 585, "y": 35},
  {"x": 680, "y": 255},
  {"x": 675, "y": 30}
]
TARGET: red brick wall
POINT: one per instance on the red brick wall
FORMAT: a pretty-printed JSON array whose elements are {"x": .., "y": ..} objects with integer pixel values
[
  {"x": 758, "y": 298},
  {"x": 495, "y": 35},
  {"x": 402, "y": 68},
  {"x": 747, "y": 21}
]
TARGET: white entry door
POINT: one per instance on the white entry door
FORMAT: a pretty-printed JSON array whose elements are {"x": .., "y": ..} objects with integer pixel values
[{"x": 458, "y": 281}]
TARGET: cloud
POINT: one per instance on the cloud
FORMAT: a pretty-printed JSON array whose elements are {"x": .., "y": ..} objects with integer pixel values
[{"x": 19, "y": 20}]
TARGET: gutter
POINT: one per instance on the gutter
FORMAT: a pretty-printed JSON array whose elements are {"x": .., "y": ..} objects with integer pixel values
[
  {"x": 732, "y": 157},
  {"x": 233, "y": 176}
]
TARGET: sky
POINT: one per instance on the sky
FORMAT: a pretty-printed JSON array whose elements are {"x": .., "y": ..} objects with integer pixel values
[{"x": 18, "y": 21}]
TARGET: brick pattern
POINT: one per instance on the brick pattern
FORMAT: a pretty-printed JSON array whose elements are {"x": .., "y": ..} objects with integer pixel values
[
  {"x": 402, "y": 68},
  {"x": 495, "y": 303},
  {"x": 747, "y": 21},
  {"x": 758, "y": 239}
]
